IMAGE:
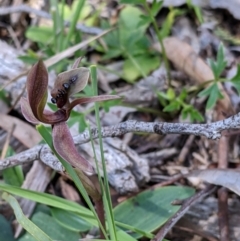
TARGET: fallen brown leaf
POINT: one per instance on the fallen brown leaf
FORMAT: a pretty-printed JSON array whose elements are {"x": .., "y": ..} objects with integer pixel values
[
  {"x": 25, "y": 133},
  {"x": 228, "y": 178}
]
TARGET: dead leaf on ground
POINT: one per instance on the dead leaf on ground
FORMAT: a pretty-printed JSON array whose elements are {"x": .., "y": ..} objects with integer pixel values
[
  {"x": 68, "y": 191},
  {"x": 25, "y": 133},
  {"x": 224, "y": 177}
]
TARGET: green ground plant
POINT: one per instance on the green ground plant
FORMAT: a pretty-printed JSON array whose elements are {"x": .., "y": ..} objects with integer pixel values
[{"x": 130, "y": 43}]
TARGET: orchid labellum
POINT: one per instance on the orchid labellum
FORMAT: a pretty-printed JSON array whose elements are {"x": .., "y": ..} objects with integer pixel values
[{"x": 67, "y": 84}]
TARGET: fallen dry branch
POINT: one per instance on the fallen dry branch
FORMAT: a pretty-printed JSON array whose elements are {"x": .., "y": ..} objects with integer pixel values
[{"x": 43, "y": 153}]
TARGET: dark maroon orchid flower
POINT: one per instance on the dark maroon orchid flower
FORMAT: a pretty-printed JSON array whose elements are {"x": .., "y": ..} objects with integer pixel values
[{"x": 67, "y": 84}]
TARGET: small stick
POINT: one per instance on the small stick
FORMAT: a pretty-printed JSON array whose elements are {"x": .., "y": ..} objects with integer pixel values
[
  {"x": 184, "y": 208},
  {"x": 185, "y": 149}
]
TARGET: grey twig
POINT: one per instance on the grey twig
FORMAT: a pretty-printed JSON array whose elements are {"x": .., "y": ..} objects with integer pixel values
[
  {"x": 43, "y": 153},
  {"x": 26, "y": 9}
]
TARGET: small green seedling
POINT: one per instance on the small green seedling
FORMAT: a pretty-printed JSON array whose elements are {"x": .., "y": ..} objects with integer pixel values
[{"x": 173, "y": 103}]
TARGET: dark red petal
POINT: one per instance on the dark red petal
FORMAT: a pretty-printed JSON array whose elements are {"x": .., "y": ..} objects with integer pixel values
[
  {"x": 64, "y": 145},
  {"x": 37, "y": 83},
  {"x": 86, "y": 100},
  {"x": 27, "y": 111},
  {"x": 50, "y": 117}
]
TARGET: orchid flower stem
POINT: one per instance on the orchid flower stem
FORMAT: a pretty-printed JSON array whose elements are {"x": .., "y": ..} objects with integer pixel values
[
  {"x": 100, "y": 212},
  {"x": 48, "y": 139},
  {"x": 98, "y": 203},
  {"x": 106, "y": 191}
]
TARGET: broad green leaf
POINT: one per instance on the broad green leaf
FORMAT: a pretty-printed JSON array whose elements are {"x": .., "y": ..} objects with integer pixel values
[
  {"x": 124, "y": 236},
  {"x": 129, "y": 29},
  {"x": 40, "y": 34},
  {"x": 28, "y": 225},
  {"x": 54, "y": 230},
  {"x": 70, "y": 220},
  {"x": 111, "y": 39},
  {"x": 134, "y": 230},
  {"x": 112, "y": 53},
  {"x": 151, "y": 208},
  {"x": 6, "y": 230},
  {"x": 145, "y": 62}
]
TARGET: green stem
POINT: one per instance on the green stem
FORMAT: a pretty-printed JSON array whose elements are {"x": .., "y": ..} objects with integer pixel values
[
  {"x": 166, "y": 63},
  {"x": 74, "y": 22},
  {"x": 106, "y": 193}
]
